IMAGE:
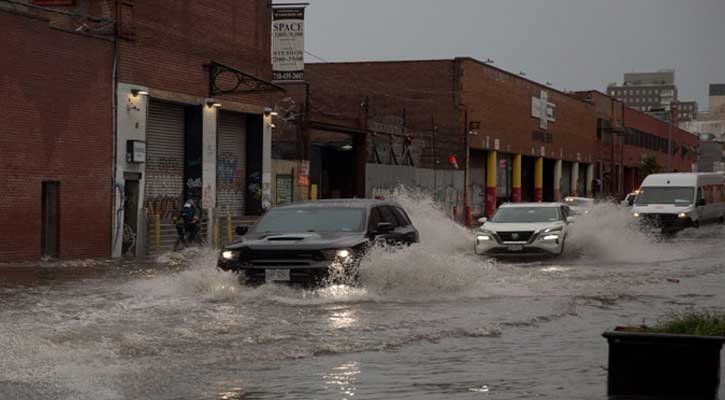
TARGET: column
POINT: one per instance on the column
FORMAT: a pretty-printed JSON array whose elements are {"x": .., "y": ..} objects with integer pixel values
[
  {"x": 208, "y": 169},
  {"x": 590, "y": 180},
  {"x": 267, "y": 160},
  {"x": 516, "y": 179},
  {"x": 491, "y": 174},
  {"x": 557, "y": 180},
  {"x": 539, "y": 180},
  {"x": 575, "y": 179}
]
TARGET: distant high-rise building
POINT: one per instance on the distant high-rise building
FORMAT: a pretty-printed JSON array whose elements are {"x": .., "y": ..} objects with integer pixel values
[
  {"x": 717, "y": 99},
  {"x": 652, "y": 92}
]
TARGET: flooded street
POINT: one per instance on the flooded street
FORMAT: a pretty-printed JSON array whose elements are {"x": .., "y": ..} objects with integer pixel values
[{"x": 432, "y": 321}]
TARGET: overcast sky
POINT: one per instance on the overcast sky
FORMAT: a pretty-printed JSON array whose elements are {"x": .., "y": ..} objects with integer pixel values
[{"x": 575, "y": 44}]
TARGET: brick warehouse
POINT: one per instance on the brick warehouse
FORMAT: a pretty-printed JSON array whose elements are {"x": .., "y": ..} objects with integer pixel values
[
  {"x": 381, "y": 123},
  {"x": 417, "y": 116},
  {"x": 625, "y": 136},
  {"x": 180, "y": 130},
  {"x": 56, "y": 92}
]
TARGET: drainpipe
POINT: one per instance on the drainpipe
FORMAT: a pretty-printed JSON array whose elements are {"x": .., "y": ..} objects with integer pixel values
[{"x": 466, "y": 207}]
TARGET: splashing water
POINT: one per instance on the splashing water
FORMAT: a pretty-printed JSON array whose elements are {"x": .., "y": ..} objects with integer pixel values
[{"x": 609, "y": 233}]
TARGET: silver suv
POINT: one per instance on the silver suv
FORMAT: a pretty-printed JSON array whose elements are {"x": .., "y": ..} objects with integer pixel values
[{"x": 524, "y": 229}]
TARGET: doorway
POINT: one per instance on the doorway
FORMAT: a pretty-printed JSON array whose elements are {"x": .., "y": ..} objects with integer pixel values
[
  {"x": 50, "y": 230},
  {"x": 333, "y": 171},
  {"x": 130, "y": 216}
]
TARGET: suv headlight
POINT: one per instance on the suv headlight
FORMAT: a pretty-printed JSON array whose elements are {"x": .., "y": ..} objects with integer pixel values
[
  {"x": 553, "y": 229},
  {"x": 484, "y": 236},
  {"x": 339, "y": 254},
  {"x": 682, "y": 215},
  {"x": 229, "y": 254}
]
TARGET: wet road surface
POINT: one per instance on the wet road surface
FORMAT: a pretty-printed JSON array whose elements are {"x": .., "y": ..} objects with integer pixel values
[{"x": 430, "y": 322}]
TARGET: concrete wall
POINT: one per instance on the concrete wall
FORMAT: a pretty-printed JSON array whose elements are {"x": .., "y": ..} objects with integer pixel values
[
  {"x": 56, "y": 92},
  {"x": 445, "y": 186}
]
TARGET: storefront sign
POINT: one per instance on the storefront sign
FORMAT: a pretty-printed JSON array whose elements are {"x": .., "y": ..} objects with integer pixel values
[{"x": 288, "y": 44}]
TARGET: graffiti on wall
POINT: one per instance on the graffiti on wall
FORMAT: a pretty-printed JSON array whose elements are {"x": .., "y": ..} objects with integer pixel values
[
  {"x": 164, "y": 206},
  {"x": 230, "y": 175}
]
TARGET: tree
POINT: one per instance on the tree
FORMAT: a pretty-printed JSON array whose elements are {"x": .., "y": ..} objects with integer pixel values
[{"x": 649, "y": 165}]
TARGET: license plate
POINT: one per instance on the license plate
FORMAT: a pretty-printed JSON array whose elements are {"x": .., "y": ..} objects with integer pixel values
[
  {"x": 276, "y": 275},
  {"x": 515, "y": 247}
]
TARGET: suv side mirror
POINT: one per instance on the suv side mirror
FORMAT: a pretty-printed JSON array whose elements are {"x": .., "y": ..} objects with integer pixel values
[
  {"x": 483, "y": 220},
  {"x": 570, "y": 220},
  {"x": 700, "y": 202},
  {"x": 384, "y": 227},
  {"x": 242, "y": 230}
]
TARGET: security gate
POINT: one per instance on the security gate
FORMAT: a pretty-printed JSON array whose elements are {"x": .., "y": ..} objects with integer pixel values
[
  {"x": 231, "y": 163},
  {"x": 164, "y": 159}
]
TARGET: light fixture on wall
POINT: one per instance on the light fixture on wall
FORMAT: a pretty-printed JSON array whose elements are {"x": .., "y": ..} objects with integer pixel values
[
  {"x": 136, "y": 92},
  {"x": 213, "y": 103}
]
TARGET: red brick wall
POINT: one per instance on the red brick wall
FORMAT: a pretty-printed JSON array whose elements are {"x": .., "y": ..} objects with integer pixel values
[
  {"x": 55, "y": 96},
  {"x": 649, "y": 124},
  {"x": 174, "y": 39},
  {"x": 501, "y": 101},
  {"x": 421, "y": 92}
]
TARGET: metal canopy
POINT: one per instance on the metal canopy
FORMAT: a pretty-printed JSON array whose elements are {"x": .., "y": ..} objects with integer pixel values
[{"x": 241, "y": 82}]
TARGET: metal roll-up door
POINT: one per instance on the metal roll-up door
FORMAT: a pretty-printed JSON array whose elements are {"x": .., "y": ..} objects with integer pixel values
[
  {"x": 164, "y": 158},
  {"x": 565, "y": 185},
  {"x": 231, "y": 163}
]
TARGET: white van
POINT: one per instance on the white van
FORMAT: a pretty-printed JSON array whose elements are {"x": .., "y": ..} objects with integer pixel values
[{"x": 678, "y": 200}]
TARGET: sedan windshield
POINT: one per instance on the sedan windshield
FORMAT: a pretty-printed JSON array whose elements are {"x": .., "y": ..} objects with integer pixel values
[
  {"x": 665, "y": 195},
  {"x": 526, "y": 214},
  {"x": 312, "y": 219}
]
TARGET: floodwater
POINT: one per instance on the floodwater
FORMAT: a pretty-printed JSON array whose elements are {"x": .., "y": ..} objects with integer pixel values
[{"x": 431, "y": 321}]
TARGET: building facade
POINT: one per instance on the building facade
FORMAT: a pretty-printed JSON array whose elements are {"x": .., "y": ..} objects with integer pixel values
[
  {"x": 652, "y": 91},
  {"x": 627, "y": 140},
  {"x": 56, "y": 93},
  {"x": 159, "y": 103}
]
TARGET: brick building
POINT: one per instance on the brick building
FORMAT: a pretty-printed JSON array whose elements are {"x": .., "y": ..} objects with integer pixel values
[
  {"x": 368, "y": 126},
  {"x": 122, "y": 110},
  {"x": 625, "y": 137},
  {"x": 56, "y": 92},
  {"x": 410, "y": 122}
]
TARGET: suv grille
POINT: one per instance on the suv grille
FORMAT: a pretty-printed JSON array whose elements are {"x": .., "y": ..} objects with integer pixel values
[
  {"x": 281, "y": 257},
  {"x": 520, "y": 236},
  {"x": 660, "y": 219}
]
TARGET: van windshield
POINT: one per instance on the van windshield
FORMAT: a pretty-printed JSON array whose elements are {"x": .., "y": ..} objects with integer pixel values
[{"x": 665, "y": 195}]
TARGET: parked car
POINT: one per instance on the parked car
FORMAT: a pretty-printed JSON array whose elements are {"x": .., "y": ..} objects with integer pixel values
[
  {"x": 579, "y": 205},
  {"x": 678, "y": 200},
  {"x": 312, "y": 241},
  {"x": 524, "y": 229},
  {"x": 629, "y": 199}
]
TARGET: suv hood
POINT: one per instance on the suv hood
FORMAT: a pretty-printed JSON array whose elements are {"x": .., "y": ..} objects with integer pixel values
[
  {"x": 300, "y": 241},
  {"x": 518, "y": 227}
]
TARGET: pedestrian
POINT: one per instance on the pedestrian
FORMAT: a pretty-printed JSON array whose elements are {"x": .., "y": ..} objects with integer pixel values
[{"x": 187, "y": 224}]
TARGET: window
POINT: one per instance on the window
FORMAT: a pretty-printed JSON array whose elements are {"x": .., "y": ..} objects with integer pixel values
[
  {"x": 401, "y": 216},
  {"x": 388, "y": 216},
  {"x": 375, "y": 218}
]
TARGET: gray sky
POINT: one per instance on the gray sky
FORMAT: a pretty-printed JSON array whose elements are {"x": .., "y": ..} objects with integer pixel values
[{"x": 575, "y": 44}]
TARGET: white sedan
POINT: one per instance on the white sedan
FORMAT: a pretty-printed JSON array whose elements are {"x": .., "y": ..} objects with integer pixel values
[
  {"x": 524, "y": 229},
  {"x": 579, "y": 205}
]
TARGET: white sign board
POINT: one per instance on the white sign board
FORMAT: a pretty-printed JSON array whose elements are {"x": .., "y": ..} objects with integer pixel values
[
  {"x": 288, "y": 44},
  {"x": 543, "y": 110}
]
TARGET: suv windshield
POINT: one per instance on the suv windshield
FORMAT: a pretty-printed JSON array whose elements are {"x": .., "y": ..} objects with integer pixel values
[
  {"x": 312, "y": 219},
  {"x": 526, "y": 214},
  {"x": 665, "y": 195}
]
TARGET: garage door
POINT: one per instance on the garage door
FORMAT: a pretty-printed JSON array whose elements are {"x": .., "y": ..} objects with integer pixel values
[
  {"x": 565, "y": 187},
  {"x": 231, "y": 163},
  {"x": 164, "y": 158}
]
